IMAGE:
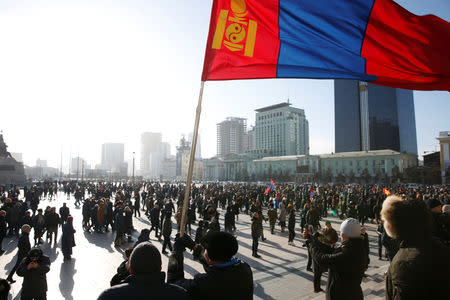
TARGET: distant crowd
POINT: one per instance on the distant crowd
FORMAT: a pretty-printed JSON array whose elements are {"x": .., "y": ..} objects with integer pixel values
[{"x": 412, "y": 223}]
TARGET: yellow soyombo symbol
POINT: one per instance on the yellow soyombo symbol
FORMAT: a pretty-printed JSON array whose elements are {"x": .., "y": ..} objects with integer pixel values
[{"x": 240, "y": 34}]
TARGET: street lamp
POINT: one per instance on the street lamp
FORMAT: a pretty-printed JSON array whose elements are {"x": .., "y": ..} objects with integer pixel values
[{"x": 133, "y": 169}]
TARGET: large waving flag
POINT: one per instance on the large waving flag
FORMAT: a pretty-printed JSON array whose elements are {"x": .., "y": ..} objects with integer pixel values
[{"x": 369, "y": 40}]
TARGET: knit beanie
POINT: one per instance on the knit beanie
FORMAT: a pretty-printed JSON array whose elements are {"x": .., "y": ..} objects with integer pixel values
[
  {"x": 145, "y": 259},
  {"x": 351, "y": 228}
]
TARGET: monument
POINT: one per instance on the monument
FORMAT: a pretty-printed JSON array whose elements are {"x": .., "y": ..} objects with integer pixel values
[{"x": 11, "y": 171}]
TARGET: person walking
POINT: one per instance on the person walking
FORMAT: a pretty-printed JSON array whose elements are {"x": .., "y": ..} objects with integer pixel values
[
  {"x": 24, "y": 247},
  {"x": 166, "y": 231},
  {"x": 256, "y": 229},
  {"x": 68, "y": 238},
  {"x": 2, "y": 229},
  {"x": 272, "y": 216},
  {"x": 291, "y": 225},
  {"x": 52, "y": 223}
]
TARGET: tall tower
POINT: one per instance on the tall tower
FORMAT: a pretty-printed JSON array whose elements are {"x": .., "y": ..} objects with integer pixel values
[
  {"x": 150, "y": 150},
  {"x": 373, "y": 117}
]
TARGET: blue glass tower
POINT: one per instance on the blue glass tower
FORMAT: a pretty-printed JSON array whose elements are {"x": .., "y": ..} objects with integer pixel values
[{"x": 372, "y": 117}]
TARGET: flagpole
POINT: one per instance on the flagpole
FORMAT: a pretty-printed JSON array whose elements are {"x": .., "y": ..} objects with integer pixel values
[{"x": 191, "y": 162}]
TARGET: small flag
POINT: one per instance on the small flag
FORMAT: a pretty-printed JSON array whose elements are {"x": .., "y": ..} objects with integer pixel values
[
  {"x": 386, "y": 192},
  {"x": 271, "y": 187},
  {"x": 332, "y": 212}
]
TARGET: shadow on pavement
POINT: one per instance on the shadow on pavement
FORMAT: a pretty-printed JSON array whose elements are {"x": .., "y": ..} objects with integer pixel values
[{"x": 66, "y": 276}]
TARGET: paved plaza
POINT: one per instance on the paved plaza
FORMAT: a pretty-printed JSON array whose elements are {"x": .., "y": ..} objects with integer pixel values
[{"x": 280, "y": 273}]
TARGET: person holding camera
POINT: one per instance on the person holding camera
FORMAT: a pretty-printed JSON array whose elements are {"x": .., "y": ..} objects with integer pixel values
[
  {"x": 33, "y": 269},
  {"x": 225, "y": 277},
  {"x": 346, "y": 264}
]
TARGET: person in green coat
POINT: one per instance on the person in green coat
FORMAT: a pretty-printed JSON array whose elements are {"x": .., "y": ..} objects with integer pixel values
[
  {"x": 272, "y": 215},
  {"x": 256, "y": 233}
]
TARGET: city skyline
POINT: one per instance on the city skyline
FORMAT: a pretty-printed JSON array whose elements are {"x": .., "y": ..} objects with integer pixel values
[{"x": 118, "y": 74}]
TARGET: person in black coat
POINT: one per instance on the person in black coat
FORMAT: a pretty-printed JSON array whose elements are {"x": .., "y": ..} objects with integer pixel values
[
  {"x": 24, "y": 247},
  {"x": 3, "y": 227},
  {"x": 64, "y": 212},
  {"x": 154, "y": 220},
  {"x": 33, "y": 269},
  {"x": 225, "y": 278},
  {"x": 346, "y": 264},
  {"x": 146, "y": 280}
]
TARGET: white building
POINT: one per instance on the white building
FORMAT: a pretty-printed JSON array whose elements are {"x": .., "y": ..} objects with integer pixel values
[
  {"x": 231, "y": 136},
  {"x": 281, "y": 130}
]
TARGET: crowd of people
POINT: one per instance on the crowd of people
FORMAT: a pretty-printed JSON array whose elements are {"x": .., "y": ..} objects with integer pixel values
[{"x": 112, "y": 206}]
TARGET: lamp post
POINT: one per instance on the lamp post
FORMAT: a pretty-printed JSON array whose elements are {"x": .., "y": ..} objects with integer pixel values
[{"x": 133, "y": 169}]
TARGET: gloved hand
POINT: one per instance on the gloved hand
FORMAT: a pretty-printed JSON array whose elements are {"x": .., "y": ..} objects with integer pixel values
[{"x": 185, "y": 241}]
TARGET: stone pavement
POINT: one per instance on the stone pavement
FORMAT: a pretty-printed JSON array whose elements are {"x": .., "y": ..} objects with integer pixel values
[{"x": 279, "y": 274}]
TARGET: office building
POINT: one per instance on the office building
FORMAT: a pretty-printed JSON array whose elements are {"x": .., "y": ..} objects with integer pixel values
[
  {"x": 444, "y": 141},
  {"x": 281, "y": 130},
  {"x": 150, "y": 147},
  {"x": 371, "y": 117},
  {"x": 230, "y": 136},
  {"x": 112, "y": 156}
]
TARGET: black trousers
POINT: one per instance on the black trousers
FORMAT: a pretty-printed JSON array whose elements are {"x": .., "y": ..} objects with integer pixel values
[
  {"x": 14, "y": 269},
  {"x": 1, "y": 241},
  {"x": 309, "y": 259},
  {"x": 136, "y": 210},
  {"x": 291, "y": 235},
  {"x": 155, "y": 227},
  {"x": 167, "y": 243},
  {"x": 255, "y": 245},
  {"x": 40, "y": 297},
  {"x": 317, "y": 275}
]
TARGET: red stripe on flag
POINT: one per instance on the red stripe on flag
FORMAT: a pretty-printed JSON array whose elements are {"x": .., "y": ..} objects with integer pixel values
[{"x": 407, "y": 51}]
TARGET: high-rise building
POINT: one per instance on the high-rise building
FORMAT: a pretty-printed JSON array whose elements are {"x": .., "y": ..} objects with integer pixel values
[
  {"x": 198, "y": 149},
  {"x": 281, "y": 130},
  {"x": 371, "y": 117},
  {"x": 249, "y": 140},
  {"x": 112, "y": 156},
  {"x": 230, "y": 136},
  {"x": 150, "y": 147},
  {"x": 78, "y": 165},
  {"x": 165, "y": 150},
  {"x": 41, "y": 162}
]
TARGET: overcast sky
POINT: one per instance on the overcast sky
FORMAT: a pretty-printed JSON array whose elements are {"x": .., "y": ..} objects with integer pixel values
[{"x": 78, "y": 73}]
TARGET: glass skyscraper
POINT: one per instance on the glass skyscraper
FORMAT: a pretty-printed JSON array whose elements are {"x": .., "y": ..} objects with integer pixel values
[{"x": 373, "y": 117}]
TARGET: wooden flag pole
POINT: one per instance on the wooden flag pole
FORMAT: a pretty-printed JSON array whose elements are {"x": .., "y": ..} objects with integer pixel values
[{"x": 191, "y": 162}]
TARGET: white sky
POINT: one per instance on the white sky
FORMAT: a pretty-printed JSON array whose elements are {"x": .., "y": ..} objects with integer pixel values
[{"x": 76, "y": 74}]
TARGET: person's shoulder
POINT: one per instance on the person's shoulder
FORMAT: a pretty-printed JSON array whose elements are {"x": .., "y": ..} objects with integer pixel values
[
  {"x": 116, "y": 292},
  {"x": 175, "y": 290}
]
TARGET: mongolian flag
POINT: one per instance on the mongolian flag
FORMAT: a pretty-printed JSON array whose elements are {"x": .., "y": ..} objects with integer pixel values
[
  {"x": 271, "y": 187},
  {"x": 386, "y": 192},
  {"x": 376, "y": 41}
]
